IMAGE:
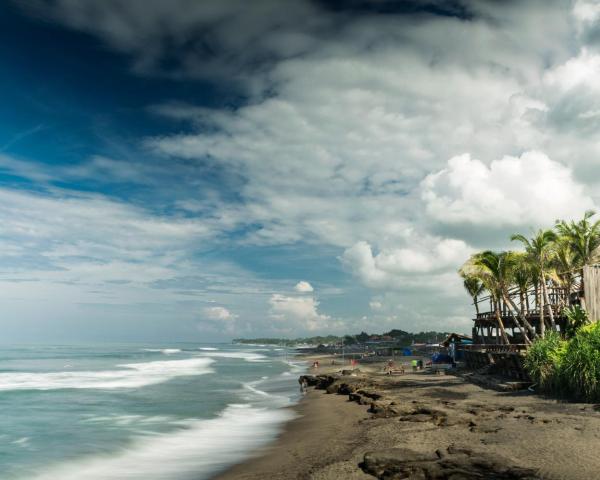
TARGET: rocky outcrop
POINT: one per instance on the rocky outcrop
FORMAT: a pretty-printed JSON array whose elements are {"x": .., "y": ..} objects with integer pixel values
[
  {"x": 450, "y": 464},
  {"x": 321, "y": 382}
]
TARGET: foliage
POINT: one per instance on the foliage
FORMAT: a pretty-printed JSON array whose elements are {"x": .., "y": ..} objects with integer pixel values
[
  {"x": 544, "y": 360},
  {"x": 583, "y": 237},
  {"x": 577, "y": 317},
  {"x": 580, "y": 368},
  {"x": 568, "y": 368},
  {"x": 398, "y": 336}
]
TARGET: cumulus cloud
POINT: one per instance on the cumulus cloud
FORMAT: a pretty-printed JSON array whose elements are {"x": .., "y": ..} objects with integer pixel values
[
  {"x": 218, "y": 319},
  {"x": 353, "y": 138},
  {"x": 527, "y": 190},
  {"x": 405, "y": 268},
  {"x": 297, "y": 313},
  {"x": 218, "y": 313},
  {"x": 303, "y": 287}
]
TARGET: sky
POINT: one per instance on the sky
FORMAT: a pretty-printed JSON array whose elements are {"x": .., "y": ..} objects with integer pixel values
[{"x": 200, "y": 171}]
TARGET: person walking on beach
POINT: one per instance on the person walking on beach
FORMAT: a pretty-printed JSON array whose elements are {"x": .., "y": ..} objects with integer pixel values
[{"x": 303, "y": 385}]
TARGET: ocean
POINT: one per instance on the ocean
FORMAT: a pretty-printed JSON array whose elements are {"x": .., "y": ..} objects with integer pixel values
[{"x": 151, "y": 412}]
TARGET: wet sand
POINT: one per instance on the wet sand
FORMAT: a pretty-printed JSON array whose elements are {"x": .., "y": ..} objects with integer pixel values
[{"x": 432, "y": 427}]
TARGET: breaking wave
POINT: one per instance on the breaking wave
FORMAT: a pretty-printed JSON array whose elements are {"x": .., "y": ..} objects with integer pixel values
[
  {"x": 166, "y": 351},
  {"x": 197, "y": 451},
  {"x": 132, "y": 375},
  {"x": 248, "y": 356}
]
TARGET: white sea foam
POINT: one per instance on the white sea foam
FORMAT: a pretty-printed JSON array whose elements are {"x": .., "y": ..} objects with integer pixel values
[
  {"x": 166, "y": 351},
  {"x": 132, "y": 375},
  {"x": 208, "y": 348},
  {"x": 195, "y": 452},
  {"x": 248, "y": 356}
]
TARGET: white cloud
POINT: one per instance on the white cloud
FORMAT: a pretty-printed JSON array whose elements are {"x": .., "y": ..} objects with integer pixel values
[
  {"x": 349, "y": 149},
  {"x": 375, "y": 305},
  {"x": 529, "y": 190},
  {"x": 409, "y": 268},
  {"x": 218, "y": 313},
  {"x": 297, "y": 313},
  {"x": 303, "y": 287}
]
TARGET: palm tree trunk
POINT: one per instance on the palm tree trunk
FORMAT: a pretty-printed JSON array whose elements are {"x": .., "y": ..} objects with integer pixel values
[
  {"x": 501, "y": 325},
  {"x": 522, "y": 301},
  {"x": 476, "y": 305},
  {"x": 541, "y": 310},
  {"x": 547, "y": 300},
  {"x": 521, "y": 318}
]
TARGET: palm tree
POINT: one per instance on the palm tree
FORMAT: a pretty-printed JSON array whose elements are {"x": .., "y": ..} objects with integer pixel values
[
  {"x": 564, "y": 265},
  {"x": 540, "y": 251},
  {"x": 522, "y": 278},
  {"x": 474, "y": 287},
  {"x": 583, "y": 237},
  {"x": 495, "y": 270}
]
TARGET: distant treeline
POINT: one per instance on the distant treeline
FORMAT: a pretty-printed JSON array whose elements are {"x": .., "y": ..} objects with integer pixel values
[{"x": 397, "y": 336}]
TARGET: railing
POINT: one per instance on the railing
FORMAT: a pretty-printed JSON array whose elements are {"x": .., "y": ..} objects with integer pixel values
[{"x": 496, "y": 348}]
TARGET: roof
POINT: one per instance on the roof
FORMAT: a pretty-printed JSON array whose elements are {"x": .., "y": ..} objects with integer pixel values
[{"x": 456, "y": 338}]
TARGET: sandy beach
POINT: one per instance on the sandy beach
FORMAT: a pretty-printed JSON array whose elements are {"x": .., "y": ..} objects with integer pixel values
[{"x": 420, "y": 425}]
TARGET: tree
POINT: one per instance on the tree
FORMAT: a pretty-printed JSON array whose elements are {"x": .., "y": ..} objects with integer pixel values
[
  {"x": 495, "y": 270},
  {"x": 523, "y": 273},
  {"x": 474, "y": 287},
  {"x": 583, "y": 238},
  {"x": 540, "y": 249},
  {"x": 564, "y": 264}
]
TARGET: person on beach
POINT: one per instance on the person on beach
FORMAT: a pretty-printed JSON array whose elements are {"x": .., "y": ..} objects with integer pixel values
[{"x": 303, "y": 385}]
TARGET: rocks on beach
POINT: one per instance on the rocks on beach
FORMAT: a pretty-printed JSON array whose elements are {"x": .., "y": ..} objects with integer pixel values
[{"x": 451, "y": 463}]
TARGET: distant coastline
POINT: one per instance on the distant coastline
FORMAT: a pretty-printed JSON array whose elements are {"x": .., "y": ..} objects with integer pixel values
[{"x": 394, "y": 336}]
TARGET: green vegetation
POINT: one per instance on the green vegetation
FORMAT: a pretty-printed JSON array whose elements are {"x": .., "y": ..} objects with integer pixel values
[
  {"x": 518, "y": 282},
  {"x": 567, "y": 368},
  {"x": 544, "y": 280},
  {"x": 396, "y": 336},
  {"x": 544, "y": 362}
]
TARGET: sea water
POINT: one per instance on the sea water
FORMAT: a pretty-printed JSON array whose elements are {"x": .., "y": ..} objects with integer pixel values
[{"x": 151, "y": 412}]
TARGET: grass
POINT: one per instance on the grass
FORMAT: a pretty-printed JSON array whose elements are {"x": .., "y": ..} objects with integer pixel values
[{"x": 567, "y": 368}]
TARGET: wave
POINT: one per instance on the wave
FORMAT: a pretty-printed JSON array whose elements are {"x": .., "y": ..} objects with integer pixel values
[
  {"x": 248, "y": 356},
  {"x": 132, "y": 375},
  {"x": 208, "y": 348},
  {"x": 166, "y": 351},
  {"x": 197, "y": 451}
]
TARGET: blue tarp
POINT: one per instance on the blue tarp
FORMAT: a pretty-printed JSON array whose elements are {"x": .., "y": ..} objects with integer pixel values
[
  {"x": 441, "y": 358},
  {"x": 407, "y": 352}
]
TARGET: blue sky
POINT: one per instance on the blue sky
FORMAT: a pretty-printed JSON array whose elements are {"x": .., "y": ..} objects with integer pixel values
[{"x": 204, "y": 170}]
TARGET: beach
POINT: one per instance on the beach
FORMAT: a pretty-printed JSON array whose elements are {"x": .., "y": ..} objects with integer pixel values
[{"x": 421, "y": 425}]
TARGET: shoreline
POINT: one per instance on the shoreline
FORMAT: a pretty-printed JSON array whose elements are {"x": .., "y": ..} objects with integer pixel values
[
  {"x": 376, "y": 426},
  {"x": 324, "y": 430}
]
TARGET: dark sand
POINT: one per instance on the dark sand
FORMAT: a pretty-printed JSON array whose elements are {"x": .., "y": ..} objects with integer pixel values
[{"x": 422, "y": 413}]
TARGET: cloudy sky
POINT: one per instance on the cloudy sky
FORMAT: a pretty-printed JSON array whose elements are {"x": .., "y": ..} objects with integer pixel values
[{"x": 218, "y": 168}]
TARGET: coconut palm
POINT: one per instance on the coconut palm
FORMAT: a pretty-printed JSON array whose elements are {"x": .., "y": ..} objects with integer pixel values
[
  {"x": 523, "y": 273},
  {"x": 474, "y": 287},
  {"x": 540, "y": 250},
  {"x": 564, "y": 264},
  {"x": 583, "y": 237},
  {"x": 495, "y": 270}
]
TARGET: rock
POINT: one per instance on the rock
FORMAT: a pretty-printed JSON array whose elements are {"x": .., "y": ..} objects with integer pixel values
[
  {"x": 450, "y": 464},
  {"x": 370, "y": 394},
  {"x": 320, "y": 382}
]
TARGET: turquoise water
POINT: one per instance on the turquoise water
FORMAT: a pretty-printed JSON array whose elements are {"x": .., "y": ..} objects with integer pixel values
[{"x": 177, "y": 411}]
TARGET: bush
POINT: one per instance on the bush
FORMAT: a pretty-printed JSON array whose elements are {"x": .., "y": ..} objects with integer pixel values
[
  {"x": 581, "y": 364},
  {"x": 544, "y": 361},
  {"x": 577, "y": 317}
]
